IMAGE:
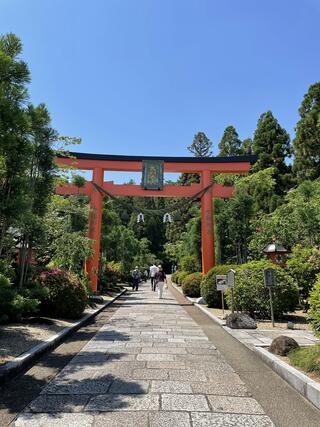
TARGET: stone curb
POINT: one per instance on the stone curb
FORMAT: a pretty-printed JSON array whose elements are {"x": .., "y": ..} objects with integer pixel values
[
  {"x": 300, "y": 382},
  {"x": 200, "y": 306},
  {"x": 19, "y": 363},
  {"x": 212, "y": 316},
  {"x": 178, "y": 288}
]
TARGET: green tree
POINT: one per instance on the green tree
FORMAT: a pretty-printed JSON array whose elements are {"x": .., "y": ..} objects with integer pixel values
[
  {"x": 247, "y": 146},
  {"x": 39, "y": 177},
  {"x": 64, "y": 254},
  {"x": 230, "y": 144},
  {"x": 296, "y": 221},
  {"x": 14, "y": 127},
  {"x": 191, "y": 239},
  {"x": 271, "y": 143},
  {"x": 144, "y": 258},
  {"x": 64, "y": 229},
  {"x": 307, "y": 141},
  {"x": 201, "y": 145},
  {"x": 233, "y": 217}
]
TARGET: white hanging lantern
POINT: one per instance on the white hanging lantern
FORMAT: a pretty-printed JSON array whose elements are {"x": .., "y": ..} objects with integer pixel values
[
  {"x": 167, "y": 218},
  {"x": 140, "y": 217}
]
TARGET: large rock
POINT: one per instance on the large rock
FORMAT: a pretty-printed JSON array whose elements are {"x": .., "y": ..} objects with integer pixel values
[
  {"x": 201, "y": 300},
  {"x": 282, "y": 345},
  {"x": 240, "y": 321}
]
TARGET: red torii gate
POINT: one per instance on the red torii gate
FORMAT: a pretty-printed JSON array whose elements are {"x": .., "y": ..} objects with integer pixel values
[{"x": 205, "y": 167}]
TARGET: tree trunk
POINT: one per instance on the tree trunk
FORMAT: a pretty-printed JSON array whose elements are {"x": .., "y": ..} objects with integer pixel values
[{"x": 23, "y": 260}]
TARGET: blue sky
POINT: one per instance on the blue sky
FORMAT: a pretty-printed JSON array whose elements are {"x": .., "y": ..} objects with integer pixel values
[{"x": 143, "y": 76}]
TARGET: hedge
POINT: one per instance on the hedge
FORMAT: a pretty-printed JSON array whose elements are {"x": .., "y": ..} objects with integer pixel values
[
  {"x": 191, "y": 284},
  {"x": 208, "y": 287}
]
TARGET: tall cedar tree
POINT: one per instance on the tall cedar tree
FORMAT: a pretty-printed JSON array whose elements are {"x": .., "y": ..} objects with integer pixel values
[
  {"x": 271, "y": 143},
  {"x": 200, "y": 147},
  {"x": 230, "y": 144},
  {"x": 307, "y": 141}
]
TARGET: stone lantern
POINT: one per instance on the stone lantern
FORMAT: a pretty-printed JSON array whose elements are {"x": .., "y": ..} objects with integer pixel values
[{"x": 276, "y": 253}]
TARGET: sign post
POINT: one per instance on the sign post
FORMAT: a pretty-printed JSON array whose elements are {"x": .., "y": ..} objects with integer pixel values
[
  {"x": 221, "y": 282},
  {"x": 270, "y": 281},
  {"x": 231, "y": 279}
]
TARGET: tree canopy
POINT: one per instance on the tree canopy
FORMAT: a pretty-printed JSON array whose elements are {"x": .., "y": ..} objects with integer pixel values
[
  {"x": 201, "y": 145},
  {"x": 230, "y": 144},
  {"x": 307, "y": 141}
]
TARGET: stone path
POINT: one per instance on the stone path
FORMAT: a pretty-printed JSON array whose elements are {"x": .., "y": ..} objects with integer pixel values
[{"x": 150, "y": 365}]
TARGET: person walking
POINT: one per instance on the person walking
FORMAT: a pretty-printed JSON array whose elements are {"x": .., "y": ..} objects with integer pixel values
[
  {"x": 160, "y": 280},
  {"x": 136, "y": 277},
  {"x": 146, "y": 274},
  {"x": 153, "y": 272}
]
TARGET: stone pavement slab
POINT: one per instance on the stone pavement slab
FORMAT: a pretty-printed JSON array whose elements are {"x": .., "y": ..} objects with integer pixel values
[
  {"x": 205, "y": 419},
  {"x": 169, "y": 419},
  {"x": 151, "y": 365}
]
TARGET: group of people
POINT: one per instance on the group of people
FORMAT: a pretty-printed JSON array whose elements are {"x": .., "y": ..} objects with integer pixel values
[{"x": 157, "y": 276}]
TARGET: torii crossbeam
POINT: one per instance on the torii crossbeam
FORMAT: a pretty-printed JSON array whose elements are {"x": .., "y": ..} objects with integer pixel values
[{"x": 205, "y": 167}]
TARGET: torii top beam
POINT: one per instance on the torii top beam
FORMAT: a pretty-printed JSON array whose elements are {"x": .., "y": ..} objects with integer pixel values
[{"x": 89, "y": 161}]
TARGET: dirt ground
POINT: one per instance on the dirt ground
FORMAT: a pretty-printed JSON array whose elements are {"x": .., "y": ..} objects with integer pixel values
[{"x": 17, "y": 338}]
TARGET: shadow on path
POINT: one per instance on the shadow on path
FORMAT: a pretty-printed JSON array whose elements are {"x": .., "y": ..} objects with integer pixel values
[{"x": 17, "y": 392}]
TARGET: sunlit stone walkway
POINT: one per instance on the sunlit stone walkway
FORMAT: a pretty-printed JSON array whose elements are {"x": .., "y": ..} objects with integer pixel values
[{"x": 150, "y": 365}]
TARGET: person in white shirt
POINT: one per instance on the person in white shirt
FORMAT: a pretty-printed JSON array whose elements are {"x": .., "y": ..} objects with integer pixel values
[{"x": 153, "y": 272}]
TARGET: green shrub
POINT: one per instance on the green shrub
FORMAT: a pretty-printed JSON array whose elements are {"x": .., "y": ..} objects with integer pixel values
[
  {"x": 35, "y": 291},
  {"x": 181, "y": 277},
  {"x": 208, "y": 287},
  {"x": 314, "y": 312},
  {"x": 174, "y": 276},
  {"x": 7, "y": 269},
  {"x": 191, "y": 284},
  {"x": 303, "y": 265},
  {"x": 189, "y": 263},
  {"x": 113, "y": 272},
  {"x": 14, "y": 306},
  {"x": 67, "y": 296},
  {"x": 251, "y": 296}
]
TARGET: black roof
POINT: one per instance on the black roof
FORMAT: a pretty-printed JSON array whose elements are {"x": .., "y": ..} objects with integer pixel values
[{"x": 230, "y": 159}]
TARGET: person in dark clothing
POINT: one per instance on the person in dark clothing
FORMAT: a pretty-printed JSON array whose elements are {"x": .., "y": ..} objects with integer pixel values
[
  {"x": 160, "y": 280},
  {"x": 136, "y": 277}
]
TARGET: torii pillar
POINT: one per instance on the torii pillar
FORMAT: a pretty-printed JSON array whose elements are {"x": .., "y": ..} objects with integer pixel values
[
  {"x": 95, "y": 219},
  {"x": 207, "y": 229}
]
